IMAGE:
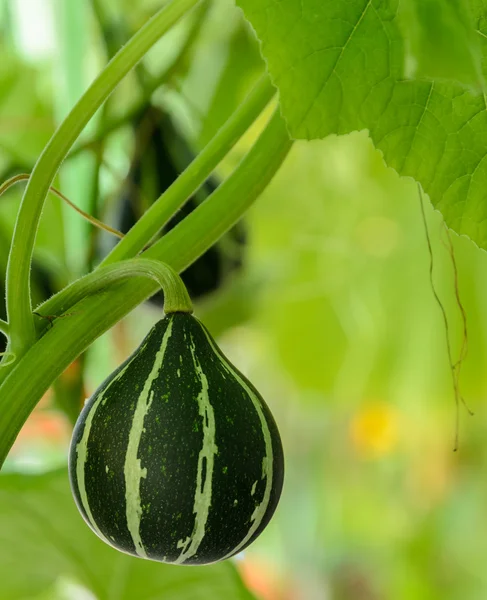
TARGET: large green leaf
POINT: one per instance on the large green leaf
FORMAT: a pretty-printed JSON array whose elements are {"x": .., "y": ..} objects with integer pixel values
[
  {"x": 43, "y": 540},
  {"x": 339, "y": 67},
  {"x": 441, "y": 41}
]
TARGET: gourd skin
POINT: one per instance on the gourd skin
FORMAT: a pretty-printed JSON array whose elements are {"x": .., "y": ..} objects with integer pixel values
[{"x": 176, "y": 456}]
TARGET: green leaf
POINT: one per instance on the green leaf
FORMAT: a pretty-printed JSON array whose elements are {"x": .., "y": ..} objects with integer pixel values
[
  {"x": 45, "y": 543},
  {"x": 441, "y": 42},
  {"x": 339, "y": 67}
]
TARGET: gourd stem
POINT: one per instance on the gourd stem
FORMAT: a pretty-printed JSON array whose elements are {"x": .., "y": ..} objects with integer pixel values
[
  {"x": 176, "y": 297},
  {"x": 159, "y": 213},
  {"x": 19, "y": 308}
]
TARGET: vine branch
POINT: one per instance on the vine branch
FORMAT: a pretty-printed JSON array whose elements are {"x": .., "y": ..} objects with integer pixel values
[
  {"x": 176, "y": 298},
  {"x": 159, "y": 213},
  {"x": 19, "y": 309}
]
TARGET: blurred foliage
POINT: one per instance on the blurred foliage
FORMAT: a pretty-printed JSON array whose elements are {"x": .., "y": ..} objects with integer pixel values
[
  {"x": 333, "y": 319},
  {"x": 39, "y": 511}
]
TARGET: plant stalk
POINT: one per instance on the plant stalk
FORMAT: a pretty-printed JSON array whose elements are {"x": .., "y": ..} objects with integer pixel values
[
  {"x": 19, "y": 308},
  {"x": 176, "y": 298},
  {"x": 159, "y": 213}
]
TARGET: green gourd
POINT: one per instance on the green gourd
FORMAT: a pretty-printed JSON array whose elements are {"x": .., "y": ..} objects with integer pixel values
[{"x": 176, "y": 457}]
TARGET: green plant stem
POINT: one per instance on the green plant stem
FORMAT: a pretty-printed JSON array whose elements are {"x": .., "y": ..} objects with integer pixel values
[
  {"x": 31, "y": 376},
  {"x": 152, "y": 85},
  {"x": 226, "y": 205},
  {"x": 18, "y": 269},
  {"x": 114, "y": 35},
  {"x": 132, "y": 112},
  {"x": 176, "y": 298},
  {"x": 154, "y": 219}
]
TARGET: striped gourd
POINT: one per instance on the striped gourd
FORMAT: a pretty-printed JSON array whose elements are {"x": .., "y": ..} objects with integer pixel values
[{"x": 176, "y": 457}]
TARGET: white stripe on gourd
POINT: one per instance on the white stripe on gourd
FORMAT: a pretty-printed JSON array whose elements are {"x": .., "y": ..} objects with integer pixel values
[
  {"x": 133, "y": 470},
  {"x": 82, "y": 454},
  {"x": 267, "y": 462},
  {"x": 203, "y": 492}
]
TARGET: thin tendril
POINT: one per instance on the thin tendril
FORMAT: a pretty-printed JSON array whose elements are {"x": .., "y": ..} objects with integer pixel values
[
  {"x": 453, "y": 367},
  {"x": 24, "y": 177},
  {"x": 464, "y": 347},
  {"x": 9, "y": 358}
]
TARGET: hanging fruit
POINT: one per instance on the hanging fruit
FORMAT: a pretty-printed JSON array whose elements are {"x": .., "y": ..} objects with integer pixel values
[{"x": 176, "y": 457}]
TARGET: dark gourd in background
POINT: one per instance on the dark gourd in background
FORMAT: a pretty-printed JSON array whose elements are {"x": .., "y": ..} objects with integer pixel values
[
  {"x": 161, "y": 154},
  {"x": 176, "y": 457}
]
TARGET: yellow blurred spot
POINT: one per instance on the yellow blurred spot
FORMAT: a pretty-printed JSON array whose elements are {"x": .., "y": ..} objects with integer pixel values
[{"x": 374, "y": 430}]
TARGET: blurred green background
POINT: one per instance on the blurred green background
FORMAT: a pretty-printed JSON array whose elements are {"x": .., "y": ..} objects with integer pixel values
[{"x": 331, "y": 316}]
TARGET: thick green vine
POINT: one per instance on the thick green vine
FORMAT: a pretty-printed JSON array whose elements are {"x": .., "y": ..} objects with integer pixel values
[
  {"x": 19, "y": 309},
  {"x": 159, "y": 213}
]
